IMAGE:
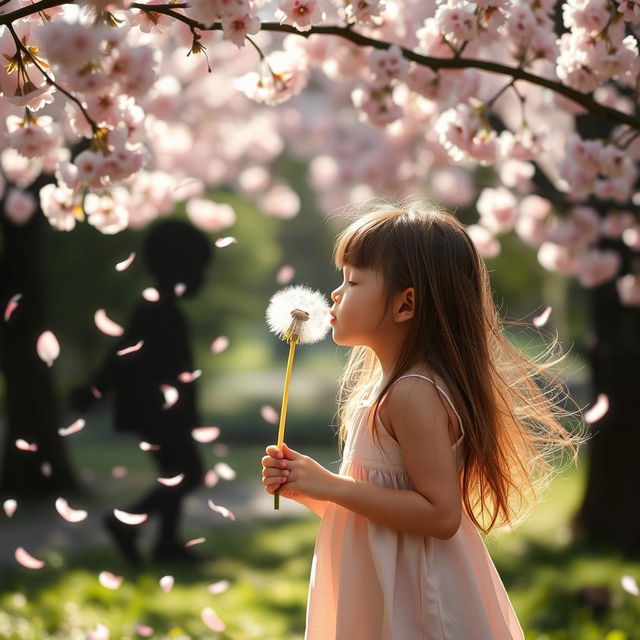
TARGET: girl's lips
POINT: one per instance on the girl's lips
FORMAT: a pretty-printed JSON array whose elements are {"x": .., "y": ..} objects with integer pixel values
[{"x": 333, "y": 319}]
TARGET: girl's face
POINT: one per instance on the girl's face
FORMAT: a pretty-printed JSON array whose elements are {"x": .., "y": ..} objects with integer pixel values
[{"x": 359, "y": 311}]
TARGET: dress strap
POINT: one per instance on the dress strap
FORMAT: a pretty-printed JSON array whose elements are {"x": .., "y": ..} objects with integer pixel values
[{"x": 441, "y": 390}]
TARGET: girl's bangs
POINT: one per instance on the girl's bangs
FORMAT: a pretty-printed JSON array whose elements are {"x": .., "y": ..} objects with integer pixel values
[{"x": 361, "y": 245}]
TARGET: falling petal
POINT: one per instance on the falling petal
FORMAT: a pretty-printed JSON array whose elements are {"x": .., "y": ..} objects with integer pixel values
[
  {"x": 10, "y": 507},
  {"x": 224, "y": 471},
  {"x": 69, "y": 514},
  {"x": 150, "y": 294},
  {"x": 45, "y": 469},
  {"x": 78, "y": 425},
  {"x": 189, "y": 376},
  {"x": 220, "y": 344},
  {"x": 195, "y": 541},
  {"x": 174, "y": 481},
  {"x": 96, "y": 393},
  {"x": 144, "y": 630},
  {"x": 109, "y": 580},
  {"x": 598, "y": 410},
  {"x": 27, "y": 560},
  {"x": 205, "y": 434},
  {"x": 630, "y": 585},
  {"x": 269, "y": 414},
  {"x": 211, "y": 478},
  {"x": 130, "y": 518},
  {"x": 170, "y": 395},
  {"x": 125, "y": 264},
  {"x": 541, "y": 320},
  {"x": 23, "y": 445},
  {"x": 48, "y": 347},
  {"x": 225, "y": 242},
  {"x": 219, "y": 587},
  {"x": 180, "y": 289},
  {"x": 146, "y": 446},
  {"x": 166, "y": 583},
  {"x": 106, "y": 325},
  {"x": 223, "y": 511},
  {"x": 221, "y": 450},
  {"x": 101, "y": 632},
  {"x": 211, "y": 619},
  {"x": 285, "y": 274},
  {"x": 12, "y": 305},
  {"x": 119, "y": 472},
  {"x": 132, "y": 349}
]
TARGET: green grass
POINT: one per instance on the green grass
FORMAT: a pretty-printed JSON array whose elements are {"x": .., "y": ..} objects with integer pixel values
[{"x": 267, "y": 566}]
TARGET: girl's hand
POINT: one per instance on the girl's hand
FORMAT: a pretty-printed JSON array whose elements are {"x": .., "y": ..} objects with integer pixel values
[{"x": 295, "y": 474}]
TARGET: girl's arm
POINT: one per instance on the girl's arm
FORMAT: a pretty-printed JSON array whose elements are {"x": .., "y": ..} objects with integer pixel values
[{"x": 433, "y": 507}]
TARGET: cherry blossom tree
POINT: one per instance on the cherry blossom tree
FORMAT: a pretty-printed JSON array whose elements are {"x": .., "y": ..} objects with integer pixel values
[{"x": 127, "y": 108}]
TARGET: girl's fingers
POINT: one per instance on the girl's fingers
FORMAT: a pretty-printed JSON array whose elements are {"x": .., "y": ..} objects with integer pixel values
[
  {"x": 268, "y": 472},
  {"x": 273, "y": 451},
  {"x": 268, "y": 461}
]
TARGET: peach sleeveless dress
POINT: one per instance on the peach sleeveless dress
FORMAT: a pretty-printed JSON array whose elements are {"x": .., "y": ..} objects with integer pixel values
[{"x": 370, "y": 582}]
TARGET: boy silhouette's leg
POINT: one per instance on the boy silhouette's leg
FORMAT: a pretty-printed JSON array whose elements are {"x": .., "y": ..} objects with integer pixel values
[{"x": 124, "y": 537}]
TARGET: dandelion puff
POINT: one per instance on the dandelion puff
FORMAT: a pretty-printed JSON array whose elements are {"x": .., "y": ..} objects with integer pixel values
[{"x": 299, "y": 313}]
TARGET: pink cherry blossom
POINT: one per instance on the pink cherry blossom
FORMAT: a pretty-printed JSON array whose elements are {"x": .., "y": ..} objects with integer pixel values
[
  {"x": 9, "y": 506},
  {"x": 497, "y": 209},
  {"x": 210, "y": 216},
  {"x": 376, "y": 105},
  {"x": 556, "y": 258},
  {"x": 616, "y": 223},
  {"x": 280, "y": 201},
  {"x": 105, "y": 214},
  {"x": 486, "y": 244},
  {"x": 237, "y": 27},
  {"x": 457, "y": 21},
  {"x": 70, "y": 45},
  {"x": 629, "y": 290},
  {"x": 48, "y": 347},
  {"x": 110, "y": 580},
  {"x": 33, "y": 137},
  {"x": 149, "y": 21},
  {"x": 388, "y": 65},
  {"x": 596, "y": 266},
  {"x": 19, "y": 206},
  {"x": 630, "y": 9},
  {"x": 302, "y": 14},
  {"x": 205, "y": 434}
]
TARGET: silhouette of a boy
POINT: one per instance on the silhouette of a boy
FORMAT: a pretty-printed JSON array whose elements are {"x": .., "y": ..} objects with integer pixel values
[{"x": 177, "y": 255}]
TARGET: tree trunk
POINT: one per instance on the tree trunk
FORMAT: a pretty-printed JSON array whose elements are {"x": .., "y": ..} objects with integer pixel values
[
  {"x": 609, "y": 513},
  {"x": 32, "y": 412}
]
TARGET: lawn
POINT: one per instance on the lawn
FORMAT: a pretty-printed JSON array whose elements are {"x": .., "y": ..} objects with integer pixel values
[{"x": 561, "y": 590}]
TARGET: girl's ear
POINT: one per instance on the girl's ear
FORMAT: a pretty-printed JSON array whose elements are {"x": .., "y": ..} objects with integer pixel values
[{"x": 404, "y": 305}]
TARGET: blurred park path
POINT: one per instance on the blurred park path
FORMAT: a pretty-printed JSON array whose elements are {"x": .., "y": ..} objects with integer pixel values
[{"x": 40, "y": 530}]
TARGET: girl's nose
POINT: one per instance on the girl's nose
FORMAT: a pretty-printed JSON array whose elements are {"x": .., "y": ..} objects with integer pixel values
[{"x": 335, "y": 294}]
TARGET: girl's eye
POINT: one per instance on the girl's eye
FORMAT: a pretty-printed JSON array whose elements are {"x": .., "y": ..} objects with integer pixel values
[{"x": 351, "y": 283}]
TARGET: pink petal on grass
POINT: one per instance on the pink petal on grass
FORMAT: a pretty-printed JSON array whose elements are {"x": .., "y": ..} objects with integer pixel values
[
  {"x": 106, "y": 325},
  {"x": 218, "y": 587},
  {"x": 10, "y": 507},
  {"x": 48, "y": 347},
  {"x": 101, "y": 632},
  {"x": 205, "y": 434},
  {"x": 223, "y": 511},
  {"x": 269, "y": 414},
  {"x": 166, "y": 583},
  {"x": 132, "y": 519},
  {"x": 541, "y": 320},
  {"x": 78, "y": 425},
  {"x": 171, "y": 395},
  {"x": 69, "y": 514},
  {"x": 598, "y": 410},
  {"x": 27, "y": 560},
  {"x": 174, "y": 481},
  {"x": 146, "y": 446},
  {"x": 211, "y": 619},
  {"x": 125, "y": 264},
  {"x": 211, "y": 479},
  {"x": 285, "y": 274},
  {"x": 12, "y": 305},
  {"x": 195, "y": 541},
  {"x": 189, "y": 376},
  {"x": 220, "y": 344},
  {"x": 143, "y": 630},
  {"x": 110, "y": 580},
  {"x": 23, "y": 445},
  {"x": 119, "y": 472},
  {"x": 630, "y": 585},
  {"x": 150, "y": 294},
  {"x": 224, "y": 471},
  {"x": 180, "y": 289},
  {"x": 225, "y": 242},
  {"x": 132, "y": 349}
]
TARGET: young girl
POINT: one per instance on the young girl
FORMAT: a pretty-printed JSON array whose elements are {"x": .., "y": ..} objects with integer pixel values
[{"x": 445, "y": 429}]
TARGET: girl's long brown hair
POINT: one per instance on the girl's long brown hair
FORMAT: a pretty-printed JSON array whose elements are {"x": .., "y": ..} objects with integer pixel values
[{"x": 510, "y": 405}]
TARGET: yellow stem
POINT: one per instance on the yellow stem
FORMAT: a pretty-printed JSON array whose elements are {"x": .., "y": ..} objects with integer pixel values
[{"x": 283, "y": 409}]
